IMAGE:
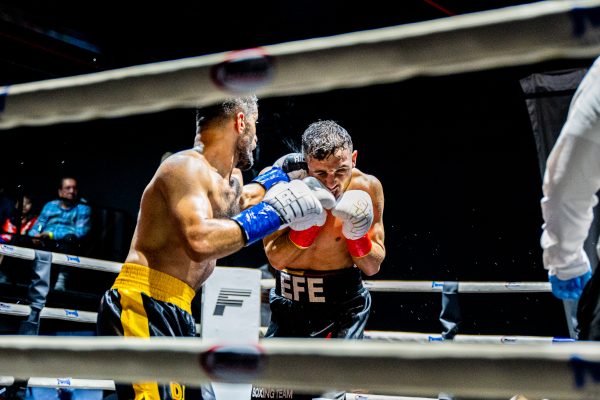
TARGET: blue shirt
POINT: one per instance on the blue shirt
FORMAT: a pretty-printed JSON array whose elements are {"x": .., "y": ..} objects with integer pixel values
[{"x": 63, "y": 221}]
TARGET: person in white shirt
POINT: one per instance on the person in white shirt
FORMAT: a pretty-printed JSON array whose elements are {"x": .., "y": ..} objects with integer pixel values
[{"x": 571, "y": 180}]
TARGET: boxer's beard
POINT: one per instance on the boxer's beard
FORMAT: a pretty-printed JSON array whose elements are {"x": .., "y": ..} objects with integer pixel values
[{"x": 244, "y": 147}]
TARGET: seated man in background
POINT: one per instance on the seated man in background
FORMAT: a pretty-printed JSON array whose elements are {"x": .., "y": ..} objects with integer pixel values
[
  {"x": 65, "y": 220},
  {"x": 62, "y": 225}
]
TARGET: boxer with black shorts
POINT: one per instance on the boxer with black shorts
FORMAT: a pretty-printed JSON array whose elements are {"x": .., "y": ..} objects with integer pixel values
[{"x": 321, "y": 259}]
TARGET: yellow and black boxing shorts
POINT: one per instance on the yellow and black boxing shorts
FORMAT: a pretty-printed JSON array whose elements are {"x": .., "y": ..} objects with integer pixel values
[{"x": 144, "y": 303}]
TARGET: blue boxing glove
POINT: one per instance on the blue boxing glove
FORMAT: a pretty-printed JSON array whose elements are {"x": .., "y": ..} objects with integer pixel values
[
  {"x": 570, "y": 288},
  {"x": 283, "y": 204}
]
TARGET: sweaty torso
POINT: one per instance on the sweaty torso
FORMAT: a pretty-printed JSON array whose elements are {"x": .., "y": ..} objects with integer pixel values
[
  {"x": 158, "y": 241},
  {"x": 328, "y": 252}
]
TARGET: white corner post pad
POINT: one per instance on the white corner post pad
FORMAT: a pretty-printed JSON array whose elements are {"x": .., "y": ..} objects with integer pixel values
[{"x": 230, "y": 316}]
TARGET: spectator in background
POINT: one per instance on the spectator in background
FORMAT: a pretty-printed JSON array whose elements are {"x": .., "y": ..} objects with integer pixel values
[
  {"x": 5, "y": 211},
  {"x": 5, "y": 204},
  {"x": 65, "y": 220},
  {"x": 28, "y": 219},
  {"x": 62, "y": 225}
]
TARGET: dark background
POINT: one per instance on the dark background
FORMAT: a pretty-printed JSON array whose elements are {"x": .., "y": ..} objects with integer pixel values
[{"x": 455, "y": 154}]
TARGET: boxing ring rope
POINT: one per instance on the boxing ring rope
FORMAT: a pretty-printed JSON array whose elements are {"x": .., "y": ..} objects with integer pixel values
[
  {"x": 374, "y": 286},
  {"x": 437, "y": 286},
  {"x": 560, "y": 372},
  {"x": 355, "y": 396},
  {"x": 531, "y": 33},
  {"x": 62, "y": 259},
  {"x": 90, "y": 318},
  {"x": 86, "y": 384}
]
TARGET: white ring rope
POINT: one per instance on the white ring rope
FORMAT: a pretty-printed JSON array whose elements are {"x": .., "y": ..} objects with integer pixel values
[
  {"x": 90, "y": 318},
  {"x": 373, "y": 286},
  {"x": 358, "y": 396},
  {"x": 503, "y": 37},
  {"x": 67, "y": 382},
  {"x": 437, "y": 286},
  {"x": 494, "y": 371},
  {"x": 62, "y": 259},
  {"x": 110, "y": 385},
  {"x": 487, "y": 339},
  {"x": 50, "y": 313}
]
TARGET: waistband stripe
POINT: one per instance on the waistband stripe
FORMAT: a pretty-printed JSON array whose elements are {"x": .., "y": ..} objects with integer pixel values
[
  {"x": 318, "y": 288},
  {"x": 156, "y": 284}
]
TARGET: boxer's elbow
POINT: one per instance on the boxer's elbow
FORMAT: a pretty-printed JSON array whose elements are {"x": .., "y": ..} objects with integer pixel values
[
  {"x": 203, "y": 247},
  {"x": 370, "y": 270},
  {"x": 371, "y": 263},
  {"x": 201, "y": 250}
]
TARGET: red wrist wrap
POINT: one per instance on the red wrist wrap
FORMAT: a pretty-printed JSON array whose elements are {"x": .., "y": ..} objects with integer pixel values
[
  {"x": 359, "y": 247},
  {"x": 303, "y": 239}
]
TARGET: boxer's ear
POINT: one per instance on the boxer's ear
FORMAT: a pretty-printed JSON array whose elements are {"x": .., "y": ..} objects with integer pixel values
[{"x": 240, "y": 122}]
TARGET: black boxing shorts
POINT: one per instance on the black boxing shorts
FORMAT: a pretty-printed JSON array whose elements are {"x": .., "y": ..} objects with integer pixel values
[
  {"x": 320, "y": 304},
  {"x": 315, "y": 304},
  {"x": 132, "y": 308}
]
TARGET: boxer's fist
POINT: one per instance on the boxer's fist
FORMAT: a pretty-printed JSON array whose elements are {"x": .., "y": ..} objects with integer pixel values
[
  {"x": 355, "y": 209},
  {"x": 284, "y": 203},
  {"x": 294, "y": 165},
  {"x": 326, "y": 199},
  {"x": 293, "y": 201}
]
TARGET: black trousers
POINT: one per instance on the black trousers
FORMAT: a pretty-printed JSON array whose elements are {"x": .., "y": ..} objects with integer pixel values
[{"x": 588, "y": 310}]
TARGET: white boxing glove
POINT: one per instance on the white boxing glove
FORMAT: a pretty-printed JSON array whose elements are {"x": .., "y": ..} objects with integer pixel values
[
  {"x": 325, "y": 197},
  {"x": 355, "y": 209},
  {"x": 293, "y": 201}
]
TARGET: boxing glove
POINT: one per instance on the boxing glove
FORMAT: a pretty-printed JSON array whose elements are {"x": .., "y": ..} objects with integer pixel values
[
  {"x": 291, "y": 166},
  {"x": 294, "y": 165},
  {"x": 355, "y": 209},
  {"x": 305, "y": 230},
  {"x": 283, "y": 204}
]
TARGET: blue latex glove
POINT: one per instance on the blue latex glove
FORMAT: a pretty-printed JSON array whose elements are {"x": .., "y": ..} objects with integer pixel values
[{"x": 571, "y": 288}]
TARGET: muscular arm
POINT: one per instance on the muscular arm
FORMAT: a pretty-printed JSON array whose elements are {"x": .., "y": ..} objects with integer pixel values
[
  {"x": 371, "y": 263},
  {"x": 185, "y": 186}
]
